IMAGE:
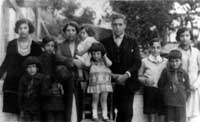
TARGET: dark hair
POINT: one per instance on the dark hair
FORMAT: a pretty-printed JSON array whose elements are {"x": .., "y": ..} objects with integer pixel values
[
  {"x": 97, "y": 47},
  {"x": 182, "y": 30},
  {"x": 32, "y": 60},
  {"x": 118, "y": 16},
  {"x": 71, "y": 23},
  {"x": 48, "y": 39},
  {"x": 24, "y": 21},
  {"x": 90, "y": 31},
  {"x": 154, "y": 40},
  {"x": 174, "y": 54}
]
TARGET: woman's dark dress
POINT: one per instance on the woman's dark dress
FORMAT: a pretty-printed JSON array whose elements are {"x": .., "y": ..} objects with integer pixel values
[{"x": 12, "y": 65}]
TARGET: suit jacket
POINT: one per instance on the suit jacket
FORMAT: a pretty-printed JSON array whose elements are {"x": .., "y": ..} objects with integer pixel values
[{"x": 124, "y": 58}]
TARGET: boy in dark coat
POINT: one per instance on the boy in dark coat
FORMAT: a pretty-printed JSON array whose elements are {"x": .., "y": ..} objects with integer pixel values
[
  {"x": 30, "y": 89},
  {"x": 174, "y": 85},
  {"x": 53, "y": 102},
  {"x": 47, "y": 58}
]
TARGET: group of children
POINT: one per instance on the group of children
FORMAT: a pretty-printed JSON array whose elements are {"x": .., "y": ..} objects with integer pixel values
[
  {"x": 40, "y": 90},
  {"x": 171, "y": 86}
]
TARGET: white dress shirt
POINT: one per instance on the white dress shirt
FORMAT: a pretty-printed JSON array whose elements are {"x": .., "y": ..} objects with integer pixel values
[{"x": 118, "y": 40}]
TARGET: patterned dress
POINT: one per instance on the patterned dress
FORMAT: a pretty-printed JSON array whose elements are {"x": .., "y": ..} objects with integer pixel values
[{"x": 99, "y": 78}]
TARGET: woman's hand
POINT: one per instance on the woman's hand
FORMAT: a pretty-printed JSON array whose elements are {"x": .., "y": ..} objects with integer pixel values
[
  {"x": 149, "y": 82},
  {"x": 77, "y": 63}
]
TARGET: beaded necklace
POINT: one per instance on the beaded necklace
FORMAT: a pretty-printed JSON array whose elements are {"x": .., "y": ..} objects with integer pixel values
[{"x": 24, "y": 48}]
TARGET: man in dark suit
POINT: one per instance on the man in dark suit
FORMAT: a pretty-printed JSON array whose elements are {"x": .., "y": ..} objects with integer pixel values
[{"x": 124, "y": 54}]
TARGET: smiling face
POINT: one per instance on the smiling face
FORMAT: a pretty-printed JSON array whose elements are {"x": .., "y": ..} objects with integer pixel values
[
  {"x": 118, "y": 26},
  {"x": 71, "y": 33},
  {"x": 155, "y": 49},
  {"x": 23, "y": 30}
]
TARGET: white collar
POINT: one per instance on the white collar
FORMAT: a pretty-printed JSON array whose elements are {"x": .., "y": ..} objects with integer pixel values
[
  {"x": 119, "y": 37},
  {"x": 118, "y": 40},
  {"x": 154, "y": 59}
]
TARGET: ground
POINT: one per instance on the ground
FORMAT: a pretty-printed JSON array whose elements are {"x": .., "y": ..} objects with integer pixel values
[{"x": 138, "y": 110}]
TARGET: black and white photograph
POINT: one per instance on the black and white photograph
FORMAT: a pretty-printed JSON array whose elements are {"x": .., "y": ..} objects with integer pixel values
[{"x": 99, "y": 60}]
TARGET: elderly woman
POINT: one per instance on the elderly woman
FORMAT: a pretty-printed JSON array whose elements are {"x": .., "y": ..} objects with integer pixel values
[
  {"x": 68, "y": 66},
  {"x": 17, "y": 51}
]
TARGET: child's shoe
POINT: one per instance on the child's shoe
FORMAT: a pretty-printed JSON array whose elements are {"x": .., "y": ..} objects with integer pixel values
[
  {"x": 95, "y": 116},
  {"x": 95, "y": 119},
  {"x": 105, "y": 116},
  {"x": 106, "y": 119}
]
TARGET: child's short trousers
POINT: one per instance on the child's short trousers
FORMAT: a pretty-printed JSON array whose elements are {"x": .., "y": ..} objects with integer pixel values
[{"x": 153, "y": 101}]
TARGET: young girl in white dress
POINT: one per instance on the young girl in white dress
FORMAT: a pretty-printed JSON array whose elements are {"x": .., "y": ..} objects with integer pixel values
[{"x": 99, "y": 79}]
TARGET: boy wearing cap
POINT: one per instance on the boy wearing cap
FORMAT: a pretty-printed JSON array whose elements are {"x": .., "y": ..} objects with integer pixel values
[
  {"x": 174, "y": 85},
  {"x": 30, "y": 89}
]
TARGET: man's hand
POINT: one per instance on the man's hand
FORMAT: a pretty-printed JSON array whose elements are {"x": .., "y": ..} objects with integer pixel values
[
  {"x": 121, "y": 78},
  {"x": 22, "y": 114}
]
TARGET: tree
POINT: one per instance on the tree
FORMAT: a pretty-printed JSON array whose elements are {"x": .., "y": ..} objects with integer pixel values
[
  {"x": 69, "y": 8},
  {"x": 143, "y": 17}
]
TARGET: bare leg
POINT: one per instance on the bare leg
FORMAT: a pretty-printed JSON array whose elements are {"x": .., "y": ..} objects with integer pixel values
[
  {"x": 104, "y": 106},
  {"x": 95, "y": 100},
  {"x": 152, "y": 118},
  {"x": 161, "y": 118}
]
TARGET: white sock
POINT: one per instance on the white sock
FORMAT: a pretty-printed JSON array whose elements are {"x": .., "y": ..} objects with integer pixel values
[
  {"x": 105, "y": 114},
  {"x": 94, "y": 113}
]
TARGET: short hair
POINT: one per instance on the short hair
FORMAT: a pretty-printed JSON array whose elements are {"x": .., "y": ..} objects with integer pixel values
[
  {"x": 155, "y": 40},
  {"x": 24, "y": 21},
  {"x": 118, "y": 16},
  {"x": 90, "y": 31},
  {"x": 48, "y": 39},
  {"x": 97, "y": 47},
  {"x": 174, "y": 54},
  {"x": 71, "y": 23},
  {"x": 182, "y": 30}
]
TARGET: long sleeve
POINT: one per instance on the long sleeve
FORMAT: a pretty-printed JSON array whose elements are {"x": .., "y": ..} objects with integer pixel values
[
  {"x": 196, "y": 83},
  {"x": 187, "y": 84},
  {"x": 46, "y": 87},
  {"x": 3, "y": 67},
  {"x": 21, "y": 93},
  {"x": 136, "y": 61},
  {"x": 108, "y": 62},
  {"x": 141, "y": 73},
  {"x": 85, "y": 45},
  {"x": 162, "y": 80},
  {"x": 85, "y": 59},
  {"x": 62, "y": 59}
]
